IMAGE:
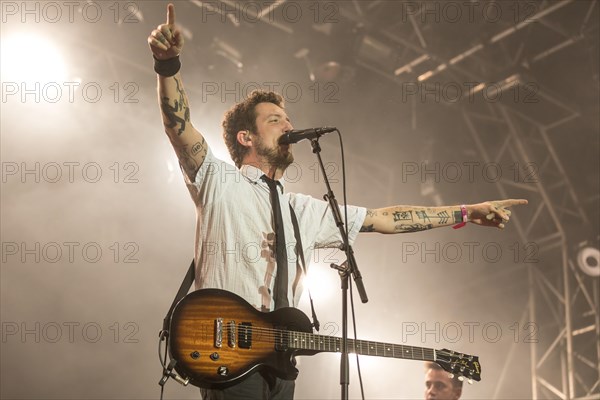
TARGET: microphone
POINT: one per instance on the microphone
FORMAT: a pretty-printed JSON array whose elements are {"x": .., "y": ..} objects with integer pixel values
[{"x": 291, "y": 137}]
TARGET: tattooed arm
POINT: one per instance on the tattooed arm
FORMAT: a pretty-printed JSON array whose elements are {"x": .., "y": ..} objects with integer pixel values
[
  {"x": 401, "y": 219},
  {"x": 189, "y": 145},
  {"x": 166, "y": 43}
]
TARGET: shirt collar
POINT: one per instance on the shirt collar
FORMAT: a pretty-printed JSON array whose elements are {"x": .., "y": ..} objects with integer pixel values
[{"x": 253, "y": 174}]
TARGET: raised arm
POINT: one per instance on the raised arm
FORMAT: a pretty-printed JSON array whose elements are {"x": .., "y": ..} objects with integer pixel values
[
  {"x": 166, "y": 43},
  {"x": 401, "y": 219}
]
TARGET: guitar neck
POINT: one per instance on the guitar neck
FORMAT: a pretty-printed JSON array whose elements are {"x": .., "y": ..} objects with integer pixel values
[{"x": 321, "y": 343}]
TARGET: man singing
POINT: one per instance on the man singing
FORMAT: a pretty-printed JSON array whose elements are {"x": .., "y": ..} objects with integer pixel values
[{"x": 246, "y": 207}]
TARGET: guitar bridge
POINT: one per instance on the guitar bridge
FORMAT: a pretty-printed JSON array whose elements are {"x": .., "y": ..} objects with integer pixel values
[{"x": 280, "y": 339}]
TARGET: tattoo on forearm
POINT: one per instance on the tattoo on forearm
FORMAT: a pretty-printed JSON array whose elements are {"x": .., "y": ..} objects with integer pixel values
[
  {"x": 423, "y": 218},
  {"x": 367, "y": 228},
  {"x": 422, "y": 215},
  {"x": 402, "y": 216},
  {"x": 443, "y": 217},
  {"x": 170, "y": 111},
  {"x": 457, "y": 216},
  {"x": 371, "y": 213},
  {"x": 412, "y": 227}
]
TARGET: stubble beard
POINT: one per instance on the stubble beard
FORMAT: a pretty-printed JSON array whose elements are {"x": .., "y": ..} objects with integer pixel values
[{"x": 274, "y": 157}]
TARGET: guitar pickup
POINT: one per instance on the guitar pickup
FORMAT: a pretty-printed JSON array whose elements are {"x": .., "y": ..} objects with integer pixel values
[
  {"x": 231, "y": 338},
  {"x": 245, "y": 335},
  {"x": 219, "y": 332}
]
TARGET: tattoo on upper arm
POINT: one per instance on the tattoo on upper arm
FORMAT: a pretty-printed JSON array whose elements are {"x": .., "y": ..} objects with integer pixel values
[
  {"x": 412, "y": 227},
  {"x": 367, "y": 228},
  {"x": 199, "y": 147},
  {"x": 186, "y": 159}
]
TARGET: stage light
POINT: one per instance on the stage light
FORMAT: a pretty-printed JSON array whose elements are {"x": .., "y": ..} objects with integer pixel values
[
  {"x": 322, "y": 280},
  {"x": 588, "y": 260},
  {"x": 31, "y": 58}
]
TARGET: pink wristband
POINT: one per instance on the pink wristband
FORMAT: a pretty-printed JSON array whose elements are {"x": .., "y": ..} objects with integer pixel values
[{"x": 463, "y": 211}]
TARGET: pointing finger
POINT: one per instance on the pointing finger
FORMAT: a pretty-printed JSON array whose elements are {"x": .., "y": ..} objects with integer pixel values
[
  {"x": 513, "y": 202},
  {"x": 171, "y": 14}
]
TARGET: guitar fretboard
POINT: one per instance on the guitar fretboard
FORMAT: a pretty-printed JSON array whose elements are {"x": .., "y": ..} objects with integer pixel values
[{"x": 309, "y": 341}]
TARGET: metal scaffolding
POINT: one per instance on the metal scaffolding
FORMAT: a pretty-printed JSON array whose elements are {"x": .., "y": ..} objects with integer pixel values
[{"x": 562, "y": 301}]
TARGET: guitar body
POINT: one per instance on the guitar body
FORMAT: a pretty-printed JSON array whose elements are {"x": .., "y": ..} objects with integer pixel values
[{"x": 219, "y": 339}]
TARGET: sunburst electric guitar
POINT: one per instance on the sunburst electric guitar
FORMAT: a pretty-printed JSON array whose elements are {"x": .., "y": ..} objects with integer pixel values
[{"x": 218, "y": 339}]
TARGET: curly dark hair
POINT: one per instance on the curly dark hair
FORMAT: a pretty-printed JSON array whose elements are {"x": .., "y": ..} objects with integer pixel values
[{"x": 241, "y": 117}]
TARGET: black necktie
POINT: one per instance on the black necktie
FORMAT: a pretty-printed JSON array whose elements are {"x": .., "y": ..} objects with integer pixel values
[{"x": 281, "y": 279}]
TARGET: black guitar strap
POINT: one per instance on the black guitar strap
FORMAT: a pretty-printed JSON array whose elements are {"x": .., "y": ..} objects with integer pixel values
[
  {"x": 183, "y": 290},
  {"x": 300, "y": 253},
  {"x": 164, "y": 333}
]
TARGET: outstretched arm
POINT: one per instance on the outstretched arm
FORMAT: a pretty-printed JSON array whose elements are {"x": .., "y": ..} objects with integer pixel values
[
  {"x": 401, "y": 219},
  {"x": 166, "y": 43}
]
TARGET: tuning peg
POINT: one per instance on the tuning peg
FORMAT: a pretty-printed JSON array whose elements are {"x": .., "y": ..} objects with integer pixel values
[
  {"x": 450, "y": 375},
  {"x": 470, "y": 381},
  {"x": 461, "y": 378}
]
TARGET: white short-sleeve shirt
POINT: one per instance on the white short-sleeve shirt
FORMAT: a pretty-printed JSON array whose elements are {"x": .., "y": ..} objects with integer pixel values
[{"x": 234, "y": 232}]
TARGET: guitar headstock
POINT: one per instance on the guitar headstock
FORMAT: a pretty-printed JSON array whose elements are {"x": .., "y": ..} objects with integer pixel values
[{"x": 464, "y": 366}]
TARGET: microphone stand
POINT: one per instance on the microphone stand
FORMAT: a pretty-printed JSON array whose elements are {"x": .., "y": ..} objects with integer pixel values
[{"x": 350, "y": 268}]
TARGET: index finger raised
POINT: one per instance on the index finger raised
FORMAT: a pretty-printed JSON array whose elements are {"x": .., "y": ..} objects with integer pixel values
[
  {"x": 171, "y": 14},
  {"x": 513, "y": 202}
]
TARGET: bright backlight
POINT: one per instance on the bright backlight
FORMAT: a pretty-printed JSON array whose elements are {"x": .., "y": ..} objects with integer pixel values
[{"x": 30, "y": 58}]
